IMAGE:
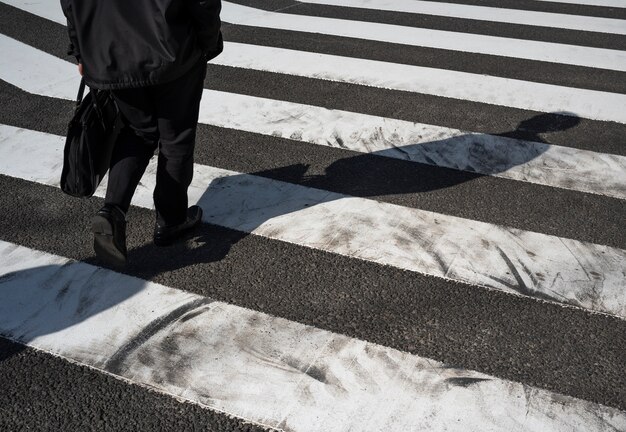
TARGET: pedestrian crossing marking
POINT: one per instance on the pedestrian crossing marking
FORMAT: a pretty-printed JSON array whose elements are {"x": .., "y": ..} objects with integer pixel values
[
  {"x": 601, "y": 58},
  {"x": 286, "y": 375},
  {"x": 264, "y": 369},
  {"x": 591, "y": 104},
  {"x": 478, "y": 253},
  {"x": 586, "y": 171}
]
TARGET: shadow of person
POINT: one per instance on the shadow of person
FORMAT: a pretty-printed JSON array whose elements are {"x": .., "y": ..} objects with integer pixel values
[
  {"x": 47, "y": 300},
  {"x": 243, "y": 202}
]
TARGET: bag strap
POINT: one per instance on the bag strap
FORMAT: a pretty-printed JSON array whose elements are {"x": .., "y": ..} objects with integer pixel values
[
  {"x": 81, "y": 91},
  {"x": 94, "y": 101}
]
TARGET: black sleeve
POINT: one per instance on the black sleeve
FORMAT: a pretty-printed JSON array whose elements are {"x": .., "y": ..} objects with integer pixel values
[
  {"x": 72, "y": 48},
  {"x": 206, "y": 18}
]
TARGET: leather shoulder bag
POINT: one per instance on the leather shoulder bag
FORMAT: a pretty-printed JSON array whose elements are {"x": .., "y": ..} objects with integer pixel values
[{"x": 91, "y": 136}]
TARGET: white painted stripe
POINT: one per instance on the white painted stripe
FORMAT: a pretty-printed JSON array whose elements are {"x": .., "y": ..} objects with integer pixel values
[
  {"x": 21, "y": 65},
  {"x": 485, "y": 13},
  {"x": 465, "y": 42},
  {"x": 526, "y": 95},
  {"x": 491, "y": 45},
  {"x": 478, "y": 88},
  {"x": 508, "y": 259},
  {"x": 585, "y": 171},
  {"x": 439, "y": 82},
  {"x": 47, "y": 9},
  {"x": 606, "y": 3},
  {"x": 527, "y": 161},
  {"x": 254, "y": 366}
]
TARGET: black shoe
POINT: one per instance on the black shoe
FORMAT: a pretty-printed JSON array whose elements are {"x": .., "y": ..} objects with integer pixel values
[
  {"x": 166, "y": 235},
  {"x": 109, "y": 230}
]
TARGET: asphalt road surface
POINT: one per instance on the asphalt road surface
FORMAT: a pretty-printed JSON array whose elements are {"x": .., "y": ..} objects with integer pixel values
[{"x": 414, "y": 220}]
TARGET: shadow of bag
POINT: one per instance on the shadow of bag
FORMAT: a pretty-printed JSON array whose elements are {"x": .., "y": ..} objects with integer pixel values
[{"x": 91, "y": 136}]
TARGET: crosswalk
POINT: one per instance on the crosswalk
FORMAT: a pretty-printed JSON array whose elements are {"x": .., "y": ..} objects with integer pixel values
[{"x": 367, "y": 205}]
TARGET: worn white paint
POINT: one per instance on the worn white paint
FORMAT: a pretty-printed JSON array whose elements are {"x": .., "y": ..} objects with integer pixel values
[
  {"x": 527, "y": 95},
  {"x": 465, "y": 42},
  {"x": 257, "y": 367},
  {"x": 534, "y": 162},
  {"x": 485, "y": 13},
  {"x": 503, "y": 258}
]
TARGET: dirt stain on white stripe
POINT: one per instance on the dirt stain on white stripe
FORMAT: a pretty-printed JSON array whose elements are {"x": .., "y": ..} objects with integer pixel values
[{"x": 118, "y": 361}]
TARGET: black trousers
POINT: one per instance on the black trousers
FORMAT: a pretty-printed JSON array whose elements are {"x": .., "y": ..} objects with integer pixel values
[{"x": 162, "y": 117}]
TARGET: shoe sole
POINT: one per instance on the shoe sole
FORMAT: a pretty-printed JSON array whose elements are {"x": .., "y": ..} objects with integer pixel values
[{"x": 103, "y": 243}]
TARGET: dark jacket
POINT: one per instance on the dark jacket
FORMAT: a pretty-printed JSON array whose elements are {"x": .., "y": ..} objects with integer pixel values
[{"x": 136, "y": 43}]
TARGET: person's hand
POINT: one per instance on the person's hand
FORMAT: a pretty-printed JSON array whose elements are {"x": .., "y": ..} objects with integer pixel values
[{"x": 80, "y": 69}]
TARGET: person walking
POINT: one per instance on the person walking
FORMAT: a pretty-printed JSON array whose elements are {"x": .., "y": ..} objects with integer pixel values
[{"x": 151, "y": 55}]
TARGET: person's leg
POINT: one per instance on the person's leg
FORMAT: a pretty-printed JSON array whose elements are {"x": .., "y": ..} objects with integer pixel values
[
  {"x": 135, "y": 146},
  {"x": 177, "y": 105}
]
